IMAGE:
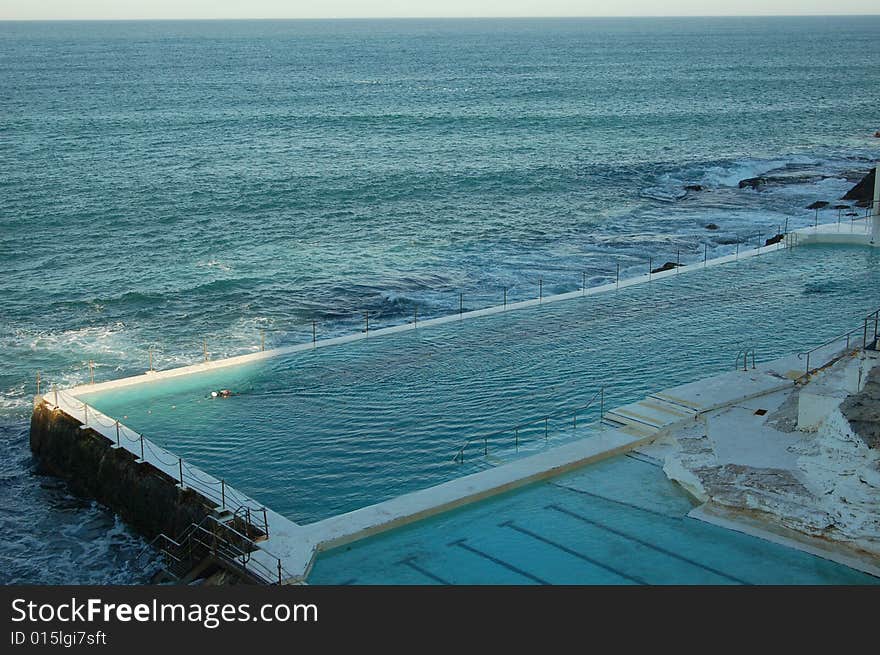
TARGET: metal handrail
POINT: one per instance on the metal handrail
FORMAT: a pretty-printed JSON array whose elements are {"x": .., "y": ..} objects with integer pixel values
[
  {"x": 873, "y": 316},
  {"x": 222, "y": 541},
  {"x": 459, "y": 455},
  {"x": 745, "y": 352}
]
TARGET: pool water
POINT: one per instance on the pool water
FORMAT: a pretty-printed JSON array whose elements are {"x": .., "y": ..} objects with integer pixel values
[
  {"x": 615, "y": 522},
  {"x": 326, "y": 431}
]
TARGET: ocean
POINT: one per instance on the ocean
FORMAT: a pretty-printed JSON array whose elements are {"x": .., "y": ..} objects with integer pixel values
[{"x": 164, "y": 185}]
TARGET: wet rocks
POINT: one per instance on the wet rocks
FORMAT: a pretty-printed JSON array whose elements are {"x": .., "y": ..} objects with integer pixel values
[
  {"x": 668, "y": 266},
  {"x": 711, "y": 226},
  {"x": 752, "y": 183},
  {"x": 774, "y": 239},
  {"x": 862, "y": 193}
]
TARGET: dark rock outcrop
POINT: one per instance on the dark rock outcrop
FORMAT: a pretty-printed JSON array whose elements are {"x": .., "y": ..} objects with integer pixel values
[
  {"x": 819, "y": 204},
  {"x": 863, "y": 192},
  {"x": 774, "y": 239},
  {"x": 862, "y": 410},
  {"x": 694, "y": 187},
  {"x": 668, "y": 266},
  {"x": 711, "y": 226},
  {"x": 752, "y": 183}
]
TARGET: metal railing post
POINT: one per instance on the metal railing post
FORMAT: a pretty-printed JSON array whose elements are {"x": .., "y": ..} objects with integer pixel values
[
  {"x": 150, "y": 352},
  {"x": 222, "y": 494},
  {"x": 38, "y": 383},
  {"x": 142, "y": 447},
  {"x": 180, "y": 468},
  {"x": 540, "y": 289},
  {"x": 650, "y": 266},
  {"x": 86, "y": 412},
  {"x": 314, "y": 332},
  {"x": 55, "y": 391},
  {"x": 865, "y": 338},
  {"x": 601, "y": 403},
  {"x": 485, "y": 446},
  {"x": 677, "y": 259},
  {"x": 91, "y": 372},
  {"x": 584, "y": 283},
  {"x": 505, "y": 297},
  {"x": 118, "y": 445},
  {"x": 416, "y": 316},
  {"x": 516, "y": 437},
  {"x": 736, "y": 256},
  {"x": 546, "y": 427},
  {"x": 279, "y": 572},
  {"x": 262, "y": 340},
  {"x": 367, "y": 322},
  {"x": 786, "y": 225},
  {"x": 705, "y": 253},
  {"x": 460, "y": 304},
  {"x": 617, "y": 278}
]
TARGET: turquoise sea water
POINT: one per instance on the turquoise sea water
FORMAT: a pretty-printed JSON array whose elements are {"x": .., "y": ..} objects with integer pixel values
[{"x": 168, "y": 182}]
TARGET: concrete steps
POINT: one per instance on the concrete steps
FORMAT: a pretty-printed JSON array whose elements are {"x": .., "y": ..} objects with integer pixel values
[{"x": 647, "y": 416}]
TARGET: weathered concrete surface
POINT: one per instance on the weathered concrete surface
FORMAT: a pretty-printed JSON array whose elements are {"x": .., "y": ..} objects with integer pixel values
[
  {"x": 146, "y": 498},
  {"x": 822, "y": 482}
]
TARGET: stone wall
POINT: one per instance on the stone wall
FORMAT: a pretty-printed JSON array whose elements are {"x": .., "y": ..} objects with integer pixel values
[{"x": 146, "y": 498}]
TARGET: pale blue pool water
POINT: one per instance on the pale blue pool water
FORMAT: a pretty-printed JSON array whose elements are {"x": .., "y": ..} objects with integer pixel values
[
  {"x": 326, "y": 431},
  {"x": 615, "y": 522}
]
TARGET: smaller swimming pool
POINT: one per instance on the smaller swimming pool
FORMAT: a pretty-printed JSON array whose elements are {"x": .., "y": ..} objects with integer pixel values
[{"x": 620, "y": 521}]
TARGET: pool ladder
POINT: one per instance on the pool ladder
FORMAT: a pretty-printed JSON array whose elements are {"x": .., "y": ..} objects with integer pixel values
[{"x": 744, "y": 354}]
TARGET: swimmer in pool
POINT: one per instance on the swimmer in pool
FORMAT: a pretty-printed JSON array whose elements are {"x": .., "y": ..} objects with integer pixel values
[{"x": 222, "y": 393}]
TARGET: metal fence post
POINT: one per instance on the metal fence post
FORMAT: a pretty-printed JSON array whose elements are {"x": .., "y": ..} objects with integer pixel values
[
  {"x": 91, "y": 372},
  {"x": 540, "y": 289},
  {"x": 460, "y": 304},
  {"x": 677, "y": 259},
  {"x": 546, "y": 427},
  {"x": 142, "y": 447},
  {"x": 516, "y": 437},
  {"x": 617, "y": 277},
  {"x": 117, "y": 435},
  {"x": 367, "y": 322},
  {"x": 222, "y": 494},
  {"x": 38, "y": 383},
  {"x": 584, "y": 283},
  {"x": 314, "y": 332},
  {"x": 180, "y": 468},
  {"x": 505, "y": 296},
  {"x": 55, "y": 391},
  {"x": 650, "y": 266},
  {"x": 86, "y": 407}
]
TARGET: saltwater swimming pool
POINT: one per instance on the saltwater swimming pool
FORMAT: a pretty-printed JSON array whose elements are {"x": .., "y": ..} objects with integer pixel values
[
  {"x": 620, "y": 521},
  {"x": 330, "y": 430}
]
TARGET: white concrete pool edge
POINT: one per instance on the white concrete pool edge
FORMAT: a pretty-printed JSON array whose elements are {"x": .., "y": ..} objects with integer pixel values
[
  {"x": 728, "y": 519},
  {"x": 202, "y": 367}
]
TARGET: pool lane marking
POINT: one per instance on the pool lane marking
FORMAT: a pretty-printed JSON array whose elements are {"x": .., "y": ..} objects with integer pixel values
[
  {"x": 618, "y": 502},
  {"x": 659, "y": 549},
  {"x": 409, "y": 561},
  {"x": 566, "y": 549},
  {"x": 461, "y": 544}
]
